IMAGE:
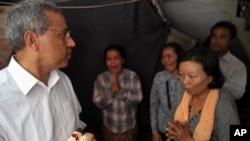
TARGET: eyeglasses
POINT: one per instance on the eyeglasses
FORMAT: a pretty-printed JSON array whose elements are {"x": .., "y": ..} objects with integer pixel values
[{"x": 65, "y": 33}]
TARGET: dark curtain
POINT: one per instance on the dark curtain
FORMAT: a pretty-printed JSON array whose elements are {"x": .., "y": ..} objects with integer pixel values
[{"x": 137, "y": 27}]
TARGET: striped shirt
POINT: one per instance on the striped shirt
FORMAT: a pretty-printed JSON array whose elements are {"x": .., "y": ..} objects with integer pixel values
[{"x": 119, "y": 110}]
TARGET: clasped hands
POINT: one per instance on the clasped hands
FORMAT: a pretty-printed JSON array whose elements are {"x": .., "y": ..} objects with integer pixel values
[
  {"x": 178, "y": 131},
  {"x": 115, "y": 86}
]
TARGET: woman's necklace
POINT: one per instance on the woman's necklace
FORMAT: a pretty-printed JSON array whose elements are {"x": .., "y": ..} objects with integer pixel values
[{"x": 192, "y": 119}]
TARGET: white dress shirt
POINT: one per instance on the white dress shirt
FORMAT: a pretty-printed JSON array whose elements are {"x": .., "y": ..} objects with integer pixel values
[
  {"x": 236, "y": 75},
  {"x": 32, "y": 111}
]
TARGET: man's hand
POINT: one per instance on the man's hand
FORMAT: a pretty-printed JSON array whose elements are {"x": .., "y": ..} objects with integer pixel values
[{"x": 89, "y": 136}]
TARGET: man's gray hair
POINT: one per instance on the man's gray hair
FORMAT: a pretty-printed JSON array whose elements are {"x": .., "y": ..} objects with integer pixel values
[{"x": 28, "y": 15}]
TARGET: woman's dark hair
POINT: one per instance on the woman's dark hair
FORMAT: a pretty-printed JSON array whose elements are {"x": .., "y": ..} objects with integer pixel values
[
  {"x": 228, "y": 25},
  {"x": 209, "y": 61},
  {"x": 175, "y": 46},
  {"x": 116, "y": 47}
]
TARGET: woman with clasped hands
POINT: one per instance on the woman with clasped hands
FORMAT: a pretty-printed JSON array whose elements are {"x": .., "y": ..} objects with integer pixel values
[{"x": 202, "y": 112}]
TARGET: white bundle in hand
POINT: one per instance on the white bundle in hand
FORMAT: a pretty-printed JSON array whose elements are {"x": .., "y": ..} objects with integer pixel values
[{"x": 78, "y": 136}]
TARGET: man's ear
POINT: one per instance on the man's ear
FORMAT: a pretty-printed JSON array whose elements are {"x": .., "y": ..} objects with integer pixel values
[
  {"x": 232, "y": 41},
  {"x": 210, "y": 79},
  {"x": 31, "y": 40}
]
